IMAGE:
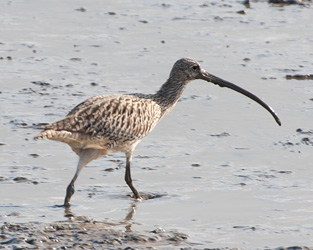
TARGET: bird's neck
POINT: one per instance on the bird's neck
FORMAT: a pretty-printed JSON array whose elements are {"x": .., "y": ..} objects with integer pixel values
[{"x": 169, "y": 94}]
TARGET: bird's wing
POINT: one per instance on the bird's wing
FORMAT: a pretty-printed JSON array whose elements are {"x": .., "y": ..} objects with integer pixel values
[{"x": 120, "y": 117}]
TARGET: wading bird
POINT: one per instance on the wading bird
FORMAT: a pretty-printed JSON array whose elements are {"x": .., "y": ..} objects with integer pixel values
[{"x": 117, "y": 123}]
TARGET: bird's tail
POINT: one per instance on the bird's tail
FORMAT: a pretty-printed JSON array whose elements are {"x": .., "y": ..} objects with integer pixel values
[{"x": 52, "y": 135}]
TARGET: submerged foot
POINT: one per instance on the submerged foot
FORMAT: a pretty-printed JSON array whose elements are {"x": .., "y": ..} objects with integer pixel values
[
  {"x": 151, "y": 196},
  {"x": 143, "y": 197},
  {"x": 68, "y": 205}
]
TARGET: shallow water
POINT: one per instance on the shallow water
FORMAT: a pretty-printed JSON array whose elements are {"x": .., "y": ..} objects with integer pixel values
[{"x": 248, "y": 188}]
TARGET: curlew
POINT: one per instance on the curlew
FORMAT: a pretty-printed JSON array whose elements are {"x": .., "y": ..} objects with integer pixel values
[{"x": 117, "y": 123}]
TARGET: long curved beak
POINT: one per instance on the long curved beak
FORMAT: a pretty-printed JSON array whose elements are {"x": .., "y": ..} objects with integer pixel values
[{"x": 222, "y": 83}]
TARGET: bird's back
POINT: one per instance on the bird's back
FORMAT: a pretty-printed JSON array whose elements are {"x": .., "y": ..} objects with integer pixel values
[{"x": 105, "y": 122}]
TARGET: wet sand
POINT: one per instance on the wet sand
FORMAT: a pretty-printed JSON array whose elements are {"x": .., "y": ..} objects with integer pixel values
[{"x": 221, "y": 173}]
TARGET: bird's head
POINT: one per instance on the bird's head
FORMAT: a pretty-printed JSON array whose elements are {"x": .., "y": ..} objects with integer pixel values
[{"x": 185, "y": 70}]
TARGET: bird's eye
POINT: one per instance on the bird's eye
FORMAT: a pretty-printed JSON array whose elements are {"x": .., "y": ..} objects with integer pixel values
[{"x": 195, "y": 67}]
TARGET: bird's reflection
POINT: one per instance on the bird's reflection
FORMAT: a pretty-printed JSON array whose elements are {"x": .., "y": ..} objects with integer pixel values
[
  {"x": 129, "y": 216},
  {"x": 127, "y": 221}
]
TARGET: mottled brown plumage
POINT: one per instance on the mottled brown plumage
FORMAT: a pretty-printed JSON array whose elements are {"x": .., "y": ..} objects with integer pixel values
[
  {"x": 117, "y": 123},
  {"x": 106, "y": 121}
]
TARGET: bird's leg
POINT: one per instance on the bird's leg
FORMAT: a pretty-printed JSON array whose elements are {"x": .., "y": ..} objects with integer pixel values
[
  {"x": 70, "y": 191},
  {"x": 86, "y": 156},
  {"x": 128, "y": 177}
]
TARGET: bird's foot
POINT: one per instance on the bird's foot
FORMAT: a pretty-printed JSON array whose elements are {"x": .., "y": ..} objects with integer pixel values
[
  {"x": 139, "y": 199},
  {"x": 68, "y": 205},
  {"x": 58, "y": 205},
  {"x": 148, "y": 196}
]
